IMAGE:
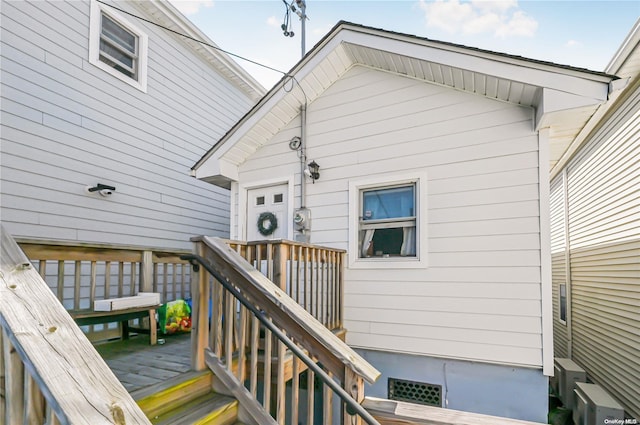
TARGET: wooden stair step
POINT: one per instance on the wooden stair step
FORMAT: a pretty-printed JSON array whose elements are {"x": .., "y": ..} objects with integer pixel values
[
  {"x": 209, "y": 409},
  {"x": 159, "y": 399}
]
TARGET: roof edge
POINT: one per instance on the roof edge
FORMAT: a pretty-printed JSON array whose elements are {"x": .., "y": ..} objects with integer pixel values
[{"x": 246, "y": 83}]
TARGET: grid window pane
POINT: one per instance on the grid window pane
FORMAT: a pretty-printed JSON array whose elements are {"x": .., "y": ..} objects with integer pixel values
[
  {"x": 118, "y": 34},
  {"x": 118, "y": 47},
  {"x": 388, "y": 203}
]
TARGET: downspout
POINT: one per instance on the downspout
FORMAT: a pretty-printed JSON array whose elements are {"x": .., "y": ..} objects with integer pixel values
[
  {"x": 303, "y": 153},
  {"x": 567, "y": 261}
]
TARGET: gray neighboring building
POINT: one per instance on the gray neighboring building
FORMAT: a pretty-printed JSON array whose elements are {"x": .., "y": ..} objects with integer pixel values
[
  {"x": 595, "y": 240},
  {"x": 92, "y": 94}
]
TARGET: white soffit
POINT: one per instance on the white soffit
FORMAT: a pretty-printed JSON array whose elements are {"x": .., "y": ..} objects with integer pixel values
[{"x": 492, "y": 75}]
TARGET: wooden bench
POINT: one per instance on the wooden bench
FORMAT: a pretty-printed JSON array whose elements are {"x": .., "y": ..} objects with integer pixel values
[{"x": 92, "y": 317}]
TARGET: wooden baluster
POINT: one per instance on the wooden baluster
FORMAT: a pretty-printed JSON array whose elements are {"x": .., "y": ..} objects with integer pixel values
[
  {"x": 266, "y": 400},
  {"x": 107, "y": 280},
  {"x": 316, "y": 281},
  {"x": 354, "y": 385},
  {"x": 165, "y": 282},
  {"x": 280, "y": 266},
  {"x": 331, "y": 291},
  {"x": 174, "y": 270},
  {"x": 290, "y": 254},
  {"x": 14, "y": 383},
  {"x": 295, "y": 389},
  {"x": 42, "y": 269},
  {"x": 92, "y": 283},
  {"x": 77, "y": 275},
  {"x": 132, "y": 279},
  {"x": 310, "y": 396},
  {"x": 50, "y": 417},
  {"x": 34, "y": 406},
  {"x": 156, "y": 282},
  {"x": 281, "y": 386},
  {"x": 270, "y": 262},
  {"x": 340, "y": 294},
  {"x": 120, "y": 279},
  {"x": 322, "y": 317},
  {"x": 183, "y": 279},
  {"x": 216, "y": 318},
  {"x": 229, "y": 321},
  {"x": 258, "y": 253},
  {"x": 242, "y": 343},
  {"x": 255, "y": 340},
  {"x": 60, "y": 283},
  {"x": 327, "y": 403},
  {"x": 297, "y": 280},
  {"x": 306, "y": 285}
]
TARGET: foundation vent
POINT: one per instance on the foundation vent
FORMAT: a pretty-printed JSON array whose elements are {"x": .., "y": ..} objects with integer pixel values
[{"x": 415, "y": 392}]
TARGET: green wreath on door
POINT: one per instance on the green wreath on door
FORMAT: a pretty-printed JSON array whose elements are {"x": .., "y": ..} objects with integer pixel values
[{"x": 272, "y": 223}]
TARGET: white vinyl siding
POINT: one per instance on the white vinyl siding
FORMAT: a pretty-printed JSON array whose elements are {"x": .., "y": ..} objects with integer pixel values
[
  {"x": 480, "y": 297},
  {"x": 67, "y": 124},
  {"x": 604, "y": 229}
]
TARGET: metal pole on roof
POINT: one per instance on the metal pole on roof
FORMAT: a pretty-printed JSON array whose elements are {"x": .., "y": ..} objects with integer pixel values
[{"x": 303, "y": 18}]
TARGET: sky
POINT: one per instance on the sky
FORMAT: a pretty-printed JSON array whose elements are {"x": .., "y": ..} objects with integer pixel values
[{"x": 581, "y": 33}]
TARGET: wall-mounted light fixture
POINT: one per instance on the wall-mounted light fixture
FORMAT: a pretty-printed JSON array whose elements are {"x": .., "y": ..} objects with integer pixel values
[
  {"x": 102, "y": 189},
  {"x": 313, "y": 171}
]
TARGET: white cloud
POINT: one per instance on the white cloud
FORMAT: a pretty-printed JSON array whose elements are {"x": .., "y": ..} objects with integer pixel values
[
  {"x": 191, "y": 7},
  {"x": 272, "y": 21},
  {"x": 573, "y": 43},
  {"x": 501, "y": 18}
]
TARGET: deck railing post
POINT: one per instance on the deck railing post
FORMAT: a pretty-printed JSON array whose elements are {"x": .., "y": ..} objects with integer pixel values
[
  {"x": 354, "y": 385},
  {"x": 146, "y": 272},
  {"x": 200, "y": 314}
]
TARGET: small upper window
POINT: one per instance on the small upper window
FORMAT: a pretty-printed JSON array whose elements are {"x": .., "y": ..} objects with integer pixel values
[
  {"x": 117, "y": 46},
  {"x": 388, "y": 222}
]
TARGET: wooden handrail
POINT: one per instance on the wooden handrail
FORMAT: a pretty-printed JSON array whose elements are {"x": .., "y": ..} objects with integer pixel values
[
  {"x": 81, "y": 273},
  {"x": 282, "y": 338},
  {"x": 44, "y": 351},
  {"x": 321, "y": 343}
]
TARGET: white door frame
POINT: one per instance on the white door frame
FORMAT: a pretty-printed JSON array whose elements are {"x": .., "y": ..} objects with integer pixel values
[{"x": 243, "y": 208}]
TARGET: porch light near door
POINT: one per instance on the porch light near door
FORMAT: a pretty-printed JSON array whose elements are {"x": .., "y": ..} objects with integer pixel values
[{"x": 313, "y": 171}]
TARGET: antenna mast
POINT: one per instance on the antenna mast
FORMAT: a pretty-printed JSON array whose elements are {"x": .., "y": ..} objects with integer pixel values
[{"x": 299, "y": 7}]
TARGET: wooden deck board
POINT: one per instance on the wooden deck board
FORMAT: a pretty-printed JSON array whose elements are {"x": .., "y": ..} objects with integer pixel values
[{"x": 138, "y": 365}]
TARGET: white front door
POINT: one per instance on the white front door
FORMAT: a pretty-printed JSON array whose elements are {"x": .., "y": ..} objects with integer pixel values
[{"x": 267, "y": 213}]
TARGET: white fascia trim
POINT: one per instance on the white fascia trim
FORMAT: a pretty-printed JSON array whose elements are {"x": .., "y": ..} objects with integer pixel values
[
  {"x": 555, "y": 101},
  {"x": 583, "y": 84},
  {"x": 94, "y": 45},
  {"x": 420, "y": 179},
  {"x": 216, "y": 166},
  {"x": 243, "y": 209},
  {"x": 546, "y": 288}
]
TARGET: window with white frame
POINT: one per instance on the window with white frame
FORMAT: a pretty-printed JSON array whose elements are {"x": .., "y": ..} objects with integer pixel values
[
  {"x": 387, "y": 216},
  {"x": 117, "y": 46},
  {"x": 387, "y": 225}
]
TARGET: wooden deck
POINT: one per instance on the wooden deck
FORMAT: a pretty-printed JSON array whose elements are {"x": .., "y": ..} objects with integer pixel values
[{"x": 138, "y": 365}]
